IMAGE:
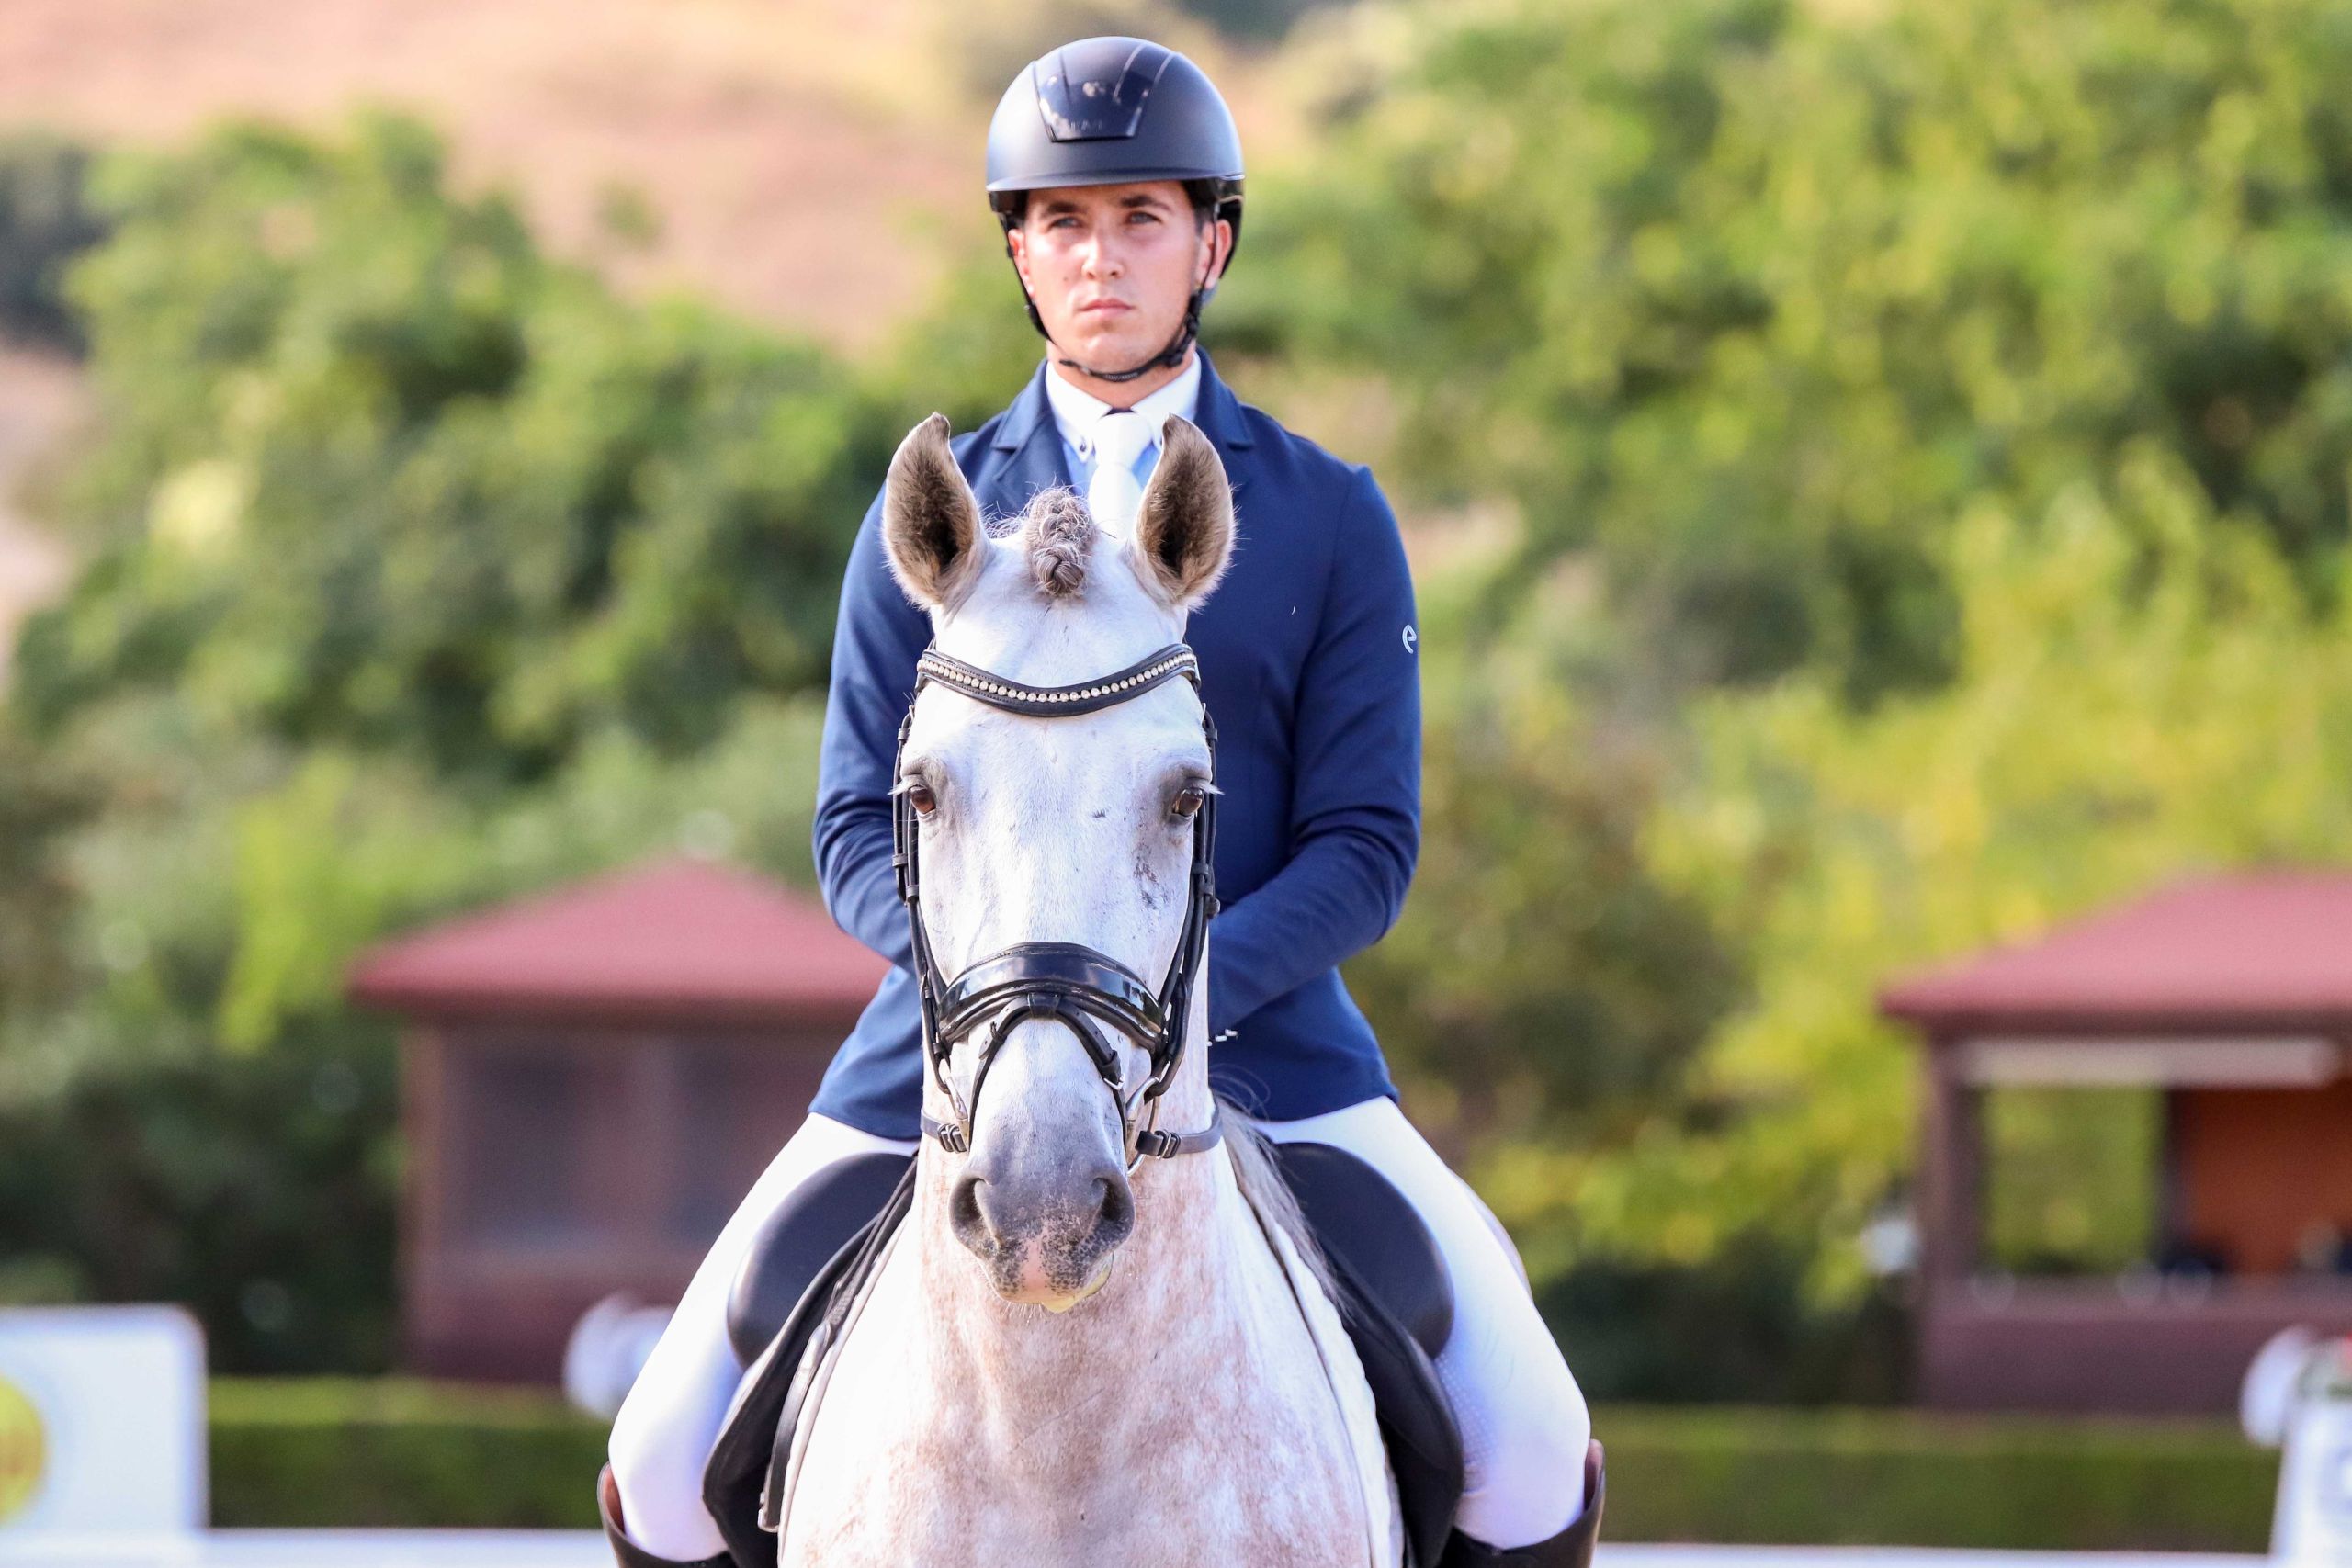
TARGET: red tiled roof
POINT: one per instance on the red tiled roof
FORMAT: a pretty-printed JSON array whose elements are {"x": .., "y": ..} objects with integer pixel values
[
  {"x": 674, "y": 939},
  {"x": 2265, "y": 950}
]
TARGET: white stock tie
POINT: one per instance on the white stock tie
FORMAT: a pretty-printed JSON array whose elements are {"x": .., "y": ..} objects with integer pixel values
[{"x": 1113, "y": 495}]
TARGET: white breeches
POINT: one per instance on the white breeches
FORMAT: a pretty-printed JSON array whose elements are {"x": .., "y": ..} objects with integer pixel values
[{"x": 1523, "y": 1421}]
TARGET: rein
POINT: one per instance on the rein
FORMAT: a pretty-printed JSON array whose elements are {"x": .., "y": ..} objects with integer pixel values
[{"x": 1081, "y": 989}]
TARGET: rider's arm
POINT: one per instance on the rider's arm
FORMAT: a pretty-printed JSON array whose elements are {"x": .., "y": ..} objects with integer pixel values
[
  {"x": 1356, "y": 772},
  {"x": 877, "y": 640}
]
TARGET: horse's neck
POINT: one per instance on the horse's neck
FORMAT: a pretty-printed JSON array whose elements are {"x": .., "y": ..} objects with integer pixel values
[{"x": 1031, "y": 1430}]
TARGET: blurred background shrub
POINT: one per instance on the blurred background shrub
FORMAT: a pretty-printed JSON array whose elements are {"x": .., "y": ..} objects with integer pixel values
[{"x": 392, "y": 1452}]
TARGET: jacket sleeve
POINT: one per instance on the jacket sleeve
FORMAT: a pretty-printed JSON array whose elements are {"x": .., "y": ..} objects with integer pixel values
[
  {"x": 877, "y": 639},
  {"x": 1356, "y": 798}
]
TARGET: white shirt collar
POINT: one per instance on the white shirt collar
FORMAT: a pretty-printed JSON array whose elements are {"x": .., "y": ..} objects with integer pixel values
[{"x": 1075, "y": 411}]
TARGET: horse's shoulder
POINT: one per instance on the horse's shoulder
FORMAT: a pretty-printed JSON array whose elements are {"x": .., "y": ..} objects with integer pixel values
[{"x": 1343, "y": 1372}]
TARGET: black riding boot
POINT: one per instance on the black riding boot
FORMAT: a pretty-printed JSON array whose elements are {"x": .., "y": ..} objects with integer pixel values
[
  {"x": 627, "y": 1552},
  {"x": 1572, "y": 1548}
]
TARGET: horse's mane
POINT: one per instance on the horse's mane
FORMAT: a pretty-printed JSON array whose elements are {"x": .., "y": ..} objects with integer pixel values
[{"x": 1269, "y": 1195}]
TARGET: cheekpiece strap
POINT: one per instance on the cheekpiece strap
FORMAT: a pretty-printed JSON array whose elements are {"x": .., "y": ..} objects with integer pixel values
[
  {"x": 1169, "y": 663},
  {"x": 946, "y": 1134},
  {"x": 1153, "y": 1143}
]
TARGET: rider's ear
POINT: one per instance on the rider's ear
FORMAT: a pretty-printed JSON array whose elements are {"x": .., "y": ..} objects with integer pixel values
[
  {"x": 1185, "y": 529},
  {"x": 931, "y": 524}
]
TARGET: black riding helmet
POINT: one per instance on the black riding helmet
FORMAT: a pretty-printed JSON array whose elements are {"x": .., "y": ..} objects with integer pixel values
[{"x": 1108, "y": 111}]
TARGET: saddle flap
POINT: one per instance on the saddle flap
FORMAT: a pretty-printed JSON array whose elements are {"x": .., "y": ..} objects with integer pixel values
[
  {"x": 736, "y": 1475},
  {"x": 791, "y": 1249},
  {"x": 1362, "y": 1220},
  {"x": 1398, "y": 1309}
]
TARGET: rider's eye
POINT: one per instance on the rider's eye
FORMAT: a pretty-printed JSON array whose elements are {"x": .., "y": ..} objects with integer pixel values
[
  {"x": 918, "y": 796},
  {"x": 1189, "y": 801}
]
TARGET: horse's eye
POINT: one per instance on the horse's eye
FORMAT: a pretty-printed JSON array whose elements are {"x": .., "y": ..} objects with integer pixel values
[
  {"x": 918, "y": 796},
  {"x": 1189, "y": 801}
]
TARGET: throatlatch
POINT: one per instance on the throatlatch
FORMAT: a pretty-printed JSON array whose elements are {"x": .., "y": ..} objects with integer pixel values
[{"x": 1074, "y": 985}]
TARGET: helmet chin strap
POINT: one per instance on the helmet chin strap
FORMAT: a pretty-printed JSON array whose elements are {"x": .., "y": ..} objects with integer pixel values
[{"x": 1172, "y": 354}]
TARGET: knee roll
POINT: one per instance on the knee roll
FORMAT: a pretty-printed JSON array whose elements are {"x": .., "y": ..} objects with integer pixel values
[
  {"x": 1572, "y": 1548},
  {"x": 626, "y": 1554}
]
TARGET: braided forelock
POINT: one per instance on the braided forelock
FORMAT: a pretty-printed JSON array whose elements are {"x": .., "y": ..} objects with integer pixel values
[{"x": 1059, "y": 532}]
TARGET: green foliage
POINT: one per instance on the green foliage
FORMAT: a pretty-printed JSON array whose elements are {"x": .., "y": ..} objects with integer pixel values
[
  {"x": 323, "y": 1453},
  {"x": 1942, "y": 417},
  {"x": 1739, "y": 1326},
  {"x": 255, "y": 1190},
  {"x": 1758, "y": 301},
  {"x": 2071, "y": 1177},
  {"x": 1256, "y": 20},
  {"x": 2140, "y": 692},
  {"x": 204, "y": 1122},
  {"x": 377, "y": 473},
  {"x": 419, "y": 572},
  {"x": 1542, "y": 982},
  {"x": 38, "y": 802},
  {"x": 328, "y": 1453},
  {"x": 1837, "y": 1478}
]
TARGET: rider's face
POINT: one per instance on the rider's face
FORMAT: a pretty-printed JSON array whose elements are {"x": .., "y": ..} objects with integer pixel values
[{"x": 1113, "y": 266}]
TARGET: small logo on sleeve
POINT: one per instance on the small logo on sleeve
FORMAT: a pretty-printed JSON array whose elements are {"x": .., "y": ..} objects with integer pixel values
[{"x": 1412, "y": 638}]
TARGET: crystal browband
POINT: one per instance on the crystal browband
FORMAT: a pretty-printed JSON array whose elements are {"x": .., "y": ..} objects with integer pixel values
[{"x": 1168, "y": 664}]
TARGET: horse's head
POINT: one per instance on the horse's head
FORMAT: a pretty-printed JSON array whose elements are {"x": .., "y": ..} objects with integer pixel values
[{"x": 1031, "y": 830}]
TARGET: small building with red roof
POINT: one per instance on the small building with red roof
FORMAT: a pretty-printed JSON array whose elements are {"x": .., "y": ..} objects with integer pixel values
[
  {"x": 591, "y": 1081},
  {"x": 2228, "y": 1001}
]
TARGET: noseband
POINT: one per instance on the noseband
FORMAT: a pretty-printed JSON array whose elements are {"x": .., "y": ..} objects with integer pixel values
[{"x": 1071, "y": 984}]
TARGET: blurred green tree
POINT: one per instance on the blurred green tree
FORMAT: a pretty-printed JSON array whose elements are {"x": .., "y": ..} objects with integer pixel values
[
  {"x": 419, "y": 570},
  {"x": 377, "y": 473},
  {"x": 1542, "y": 983},
  {"x": 2140, "y": 692},
  {"x": 1755, "y": 300}
]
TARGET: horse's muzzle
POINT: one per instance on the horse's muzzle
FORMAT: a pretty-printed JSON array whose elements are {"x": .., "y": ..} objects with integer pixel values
[{"x": 1045, "y": 1234}]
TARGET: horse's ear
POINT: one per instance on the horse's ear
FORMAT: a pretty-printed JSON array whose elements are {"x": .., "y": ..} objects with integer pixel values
[
  {"x": 931, "y": 524},
  {"x": 1184, "y": 529}
]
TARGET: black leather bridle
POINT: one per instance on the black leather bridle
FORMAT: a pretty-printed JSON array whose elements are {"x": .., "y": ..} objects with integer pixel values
[{"x": 1066, "y": 981}]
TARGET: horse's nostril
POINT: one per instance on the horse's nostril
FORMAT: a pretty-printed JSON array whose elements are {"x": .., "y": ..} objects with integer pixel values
[
  {"x": 964, "y": 1213},
  {"x": 1118, "y": 1208}
]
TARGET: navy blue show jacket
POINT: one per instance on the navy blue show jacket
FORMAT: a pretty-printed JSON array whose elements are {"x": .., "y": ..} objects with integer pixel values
[{"x": 1309, "y": 666}]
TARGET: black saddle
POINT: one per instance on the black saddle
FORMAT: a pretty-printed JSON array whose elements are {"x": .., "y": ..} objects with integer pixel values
[
  {"x": 798, "y": 1240},
  {"x": 806, "y": 1263},
  {"x": 1398, "y": 1302}
]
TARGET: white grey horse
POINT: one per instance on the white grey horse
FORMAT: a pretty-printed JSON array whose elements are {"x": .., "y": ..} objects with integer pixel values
[{"x": 1062, "y": 1362}]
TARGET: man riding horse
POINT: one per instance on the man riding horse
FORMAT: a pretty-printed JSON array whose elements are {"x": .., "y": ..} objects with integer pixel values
[{"x": 1115, "y": 170}]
